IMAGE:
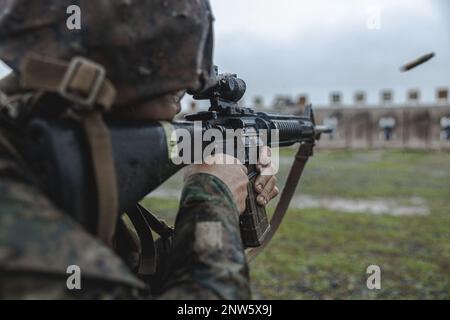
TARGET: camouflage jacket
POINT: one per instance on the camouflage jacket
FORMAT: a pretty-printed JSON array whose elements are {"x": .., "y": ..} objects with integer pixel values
[{"x": 38, "y": 242}]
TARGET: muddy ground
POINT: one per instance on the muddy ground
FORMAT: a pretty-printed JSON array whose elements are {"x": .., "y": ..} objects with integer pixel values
[{"x": 355, "y": 209}]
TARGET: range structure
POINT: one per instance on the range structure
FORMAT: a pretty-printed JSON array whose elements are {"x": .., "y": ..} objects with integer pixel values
[{"x": 411, "y": 125}]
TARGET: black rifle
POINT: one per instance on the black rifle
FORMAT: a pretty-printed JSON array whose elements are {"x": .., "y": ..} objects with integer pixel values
[{"x": 142, "y": 153}]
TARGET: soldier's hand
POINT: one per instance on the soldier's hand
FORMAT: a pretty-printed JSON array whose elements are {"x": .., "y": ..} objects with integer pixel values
[
  {"x": 266, "y": 182},
  {"x": 228, "y": 169}
]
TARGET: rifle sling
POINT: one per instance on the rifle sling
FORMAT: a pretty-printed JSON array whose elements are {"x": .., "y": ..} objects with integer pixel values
[
  {"x": 83, "y": 82},
  {"x": 157, "y": 225},
  {"x": 295, "y": 173},
  {"x": 99, "y": 143},
  {"x": 145, "y": 222},
  {"x": 147, "y": 255},
  {"x": 79, "y": 77}
]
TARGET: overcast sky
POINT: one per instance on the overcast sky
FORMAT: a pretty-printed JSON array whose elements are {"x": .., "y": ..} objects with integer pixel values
[
  {"x": 318, "y": 46},
  {"x": 314, "y": 47}
]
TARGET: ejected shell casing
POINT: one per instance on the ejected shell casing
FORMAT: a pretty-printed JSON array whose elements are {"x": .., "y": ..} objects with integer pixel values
[{"x": 417, "y": 62}]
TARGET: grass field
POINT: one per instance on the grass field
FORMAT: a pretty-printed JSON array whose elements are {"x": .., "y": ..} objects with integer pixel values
[{"x": 321, "y": 253}]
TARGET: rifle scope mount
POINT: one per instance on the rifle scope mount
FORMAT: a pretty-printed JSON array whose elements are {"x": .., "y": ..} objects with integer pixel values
[{"x": 228, "y": 87}]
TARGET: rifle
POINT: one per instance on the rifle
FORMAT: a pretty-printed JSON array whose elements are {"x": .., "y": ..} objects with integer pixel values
[{"x": 143, "y": 154}]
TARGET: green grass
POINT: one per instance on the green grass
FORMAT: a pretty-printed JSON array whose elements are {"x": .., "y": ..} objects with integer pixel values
[{"x": 321, "y": 254}]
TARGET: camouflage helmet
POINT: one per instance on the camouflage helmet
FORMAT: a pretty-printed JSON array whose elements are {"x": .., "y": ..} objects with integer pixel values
[{"x": 148, "y": 47}]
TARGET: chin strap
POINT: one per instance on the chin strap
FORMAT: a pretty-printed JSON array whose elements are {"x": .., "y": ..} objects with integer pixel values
[{"x": 301, "y": 158}]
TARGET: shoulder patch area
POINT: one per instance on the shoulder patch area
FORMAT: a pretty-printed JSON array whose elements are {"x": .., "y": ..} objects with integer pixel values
[{"x": 208, "y": 237}]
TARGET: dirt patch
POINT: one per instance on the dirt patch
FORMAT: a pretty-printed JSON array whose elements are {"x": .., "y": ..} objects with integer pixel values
[
  {"x": 381, "y": 206},
  {"x": 394, "y": 207}
]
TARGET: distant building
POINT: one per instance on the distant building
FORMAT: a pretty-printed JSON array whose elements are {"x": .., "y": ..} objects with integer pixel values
[
  {"x": 284, "y": 104},
  {"x": 259, "y": 105},
  {"x": 413, "y": 124}
]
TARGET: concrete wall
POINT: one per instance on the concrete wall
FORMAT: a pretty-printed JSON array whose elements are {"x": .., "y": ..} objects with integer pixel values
[{"x": 417, "y": 127}]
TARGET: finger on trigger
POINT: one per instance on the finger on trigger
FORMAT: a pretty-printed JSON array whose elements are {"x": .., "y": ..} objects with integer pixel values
[
  {"x": 267, "y": 171},
  {"x": 265, "y": 157}
]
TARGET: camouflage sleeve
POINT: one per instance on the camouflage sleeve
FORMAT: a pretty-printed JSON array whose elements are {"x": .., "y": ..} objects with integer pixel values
[
  {"x": 37, "y": 245},
  {"x": 208, "y": 259}
]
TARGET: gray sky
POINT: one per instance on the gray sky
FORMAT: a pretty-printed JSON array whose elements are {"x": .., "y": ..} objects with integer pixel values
[{"x": 315, "y": 47}]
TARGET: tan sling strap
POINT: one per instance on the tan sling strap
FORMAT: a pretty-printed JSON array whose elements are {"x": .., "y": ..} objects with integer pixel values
[
  {"x": 157, "y": 225},
  {"x": 147, "y": 255},
  {"x": 83, "y": 82},
  {"x": 144, "y": 222},
  {"x": 105, "y": 175},
  {"x": 301, "y": 158}
]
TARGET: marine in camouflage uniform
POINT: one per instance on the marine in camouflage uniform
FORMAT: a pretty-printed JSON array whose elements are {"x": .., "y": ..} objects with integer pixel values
[{"x": 150, "y": 49}]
